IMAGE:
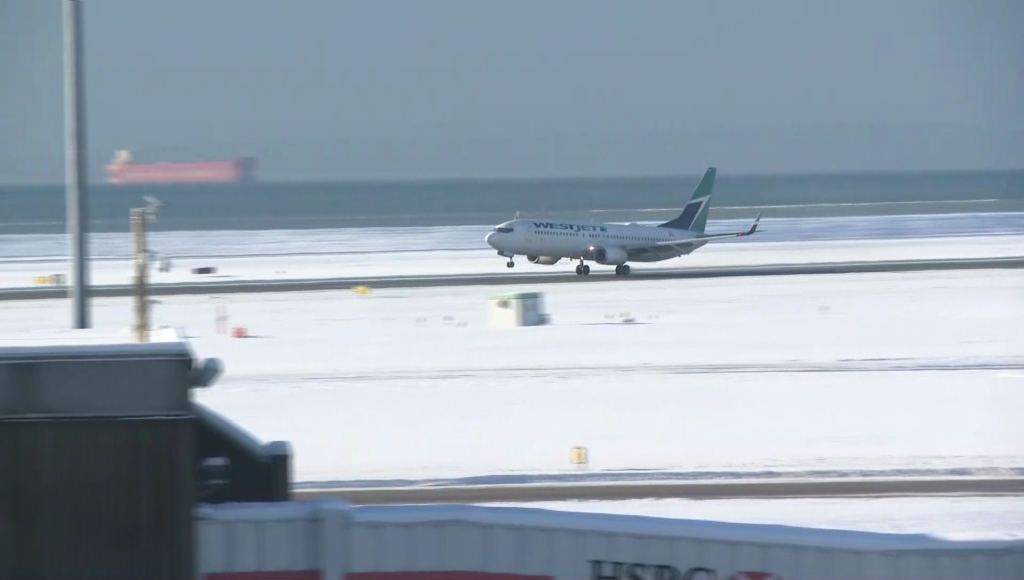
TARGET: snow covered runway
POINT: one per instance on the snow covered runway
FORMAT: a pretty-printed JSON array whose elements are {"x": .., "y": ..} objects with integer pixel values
[
  {"x": 873, "y": 375},
  {"x": 713, "y": 376},
  {"x": 379, "y": 252}
]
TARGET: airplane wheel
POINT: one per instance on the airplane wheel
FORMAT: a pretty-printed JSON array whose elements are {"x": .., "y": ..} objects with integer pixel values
[
  {"x": 510, "y": 264},
  {"x": 586, "y": 270},
  {"x": 579, "y": 270},
  {"x": 622, "y": 270}
]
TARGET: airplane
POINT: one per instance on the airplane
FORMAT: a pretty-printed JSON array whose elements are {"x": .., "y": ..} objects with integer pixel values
[{"x": 546, "y": 242}]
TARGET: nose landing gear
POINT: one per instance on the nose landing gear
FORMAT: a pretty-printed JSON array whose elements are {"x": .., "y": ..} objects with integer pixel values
[
  {"x": 582, "y": 269},
  {"x": 510, "y": 256}
]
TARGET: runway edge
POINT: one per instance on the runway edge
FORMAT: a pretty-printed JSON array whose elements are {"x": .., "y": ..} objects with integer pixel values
[
  {"x": 689, "y": 490},
  {"x": 320, "y": 284}
]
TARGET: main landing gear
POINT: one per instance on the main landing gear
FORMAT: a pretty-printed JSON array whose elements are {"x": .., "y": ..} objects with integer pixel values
[{"x": 584, "y": 270}]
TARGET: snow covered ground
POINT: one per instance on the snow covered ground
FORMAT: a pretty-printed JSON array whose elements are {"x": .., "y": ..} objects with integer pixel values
[
  {"x": 953, "y": 518},
  {"x": 716, "y": 379},
  {"x": 791, "y": 375},
  {"x": 367, "y": 252},
  {"x": 20, "y": 273}
]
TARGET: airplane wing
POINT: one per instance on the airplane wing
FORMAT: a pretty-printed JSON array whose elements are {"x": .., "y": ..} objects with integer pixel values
[
  {"x": 749, "y": 232},
  {"x": 669, "y": 248}
]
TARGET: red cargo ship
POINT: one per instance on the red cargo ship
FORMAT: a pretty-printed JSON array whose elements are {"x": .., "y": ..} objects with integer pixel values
[{"x": 122, "y": 170}]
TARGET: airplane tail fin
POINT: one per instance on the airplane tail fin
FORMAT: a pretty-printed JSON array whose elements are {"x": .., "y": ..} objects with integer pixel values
[{"x": 695, "y": 215}]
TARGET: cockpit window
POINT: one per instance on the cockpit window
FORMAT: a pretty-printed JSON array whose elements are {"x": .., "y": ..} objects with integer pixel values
[{"x": 503, "y": 230}]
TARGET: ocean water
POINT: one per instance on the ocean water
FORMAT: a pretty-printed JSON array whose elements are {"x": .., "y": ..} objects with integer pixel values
[{"x": 300, "y": 206}]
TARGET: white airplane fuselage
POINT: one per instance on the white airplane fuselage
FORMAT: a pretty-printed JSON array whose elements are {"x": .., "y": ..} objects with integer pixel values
[
  {"x": 548, "y": 241},
  {"x": 558, "y": 239}
]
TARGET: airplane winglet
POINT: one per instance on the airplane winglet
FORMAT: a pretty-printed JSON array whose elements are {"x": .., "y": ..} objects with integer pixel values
[{"x": 753, "y": 228}]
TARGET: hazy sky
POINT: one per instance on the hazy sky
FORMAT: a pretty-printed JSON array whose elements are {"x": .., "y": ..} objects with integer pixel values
[{"x": 404, "y": 89}]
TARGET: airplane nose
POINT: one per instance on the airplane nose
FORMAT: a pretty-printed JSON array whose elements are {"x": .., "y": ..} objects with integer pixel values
[{"x": 489, "y": 238}]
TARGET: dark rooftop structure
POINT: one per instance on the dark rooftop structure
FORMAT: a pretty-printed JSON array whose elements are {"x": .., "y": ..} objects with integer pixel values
[{"x": 103, "y": 456}]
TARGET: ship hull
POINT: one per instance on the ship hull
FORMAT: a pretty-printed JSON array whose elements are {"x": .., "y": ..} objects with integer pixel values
[{"x": 218, "y": 171}]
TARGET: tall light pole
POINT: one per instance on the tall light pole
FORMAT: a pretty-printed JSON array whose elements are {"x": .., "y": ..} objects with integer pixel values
[{"x": 76, "y": 184}]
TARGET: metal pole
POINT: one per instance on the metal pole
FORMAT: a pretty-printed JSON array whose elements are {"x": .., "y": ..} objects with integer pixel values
[
  {"x": 76, "y": 184},
  {"x": 138, "y": 222}
]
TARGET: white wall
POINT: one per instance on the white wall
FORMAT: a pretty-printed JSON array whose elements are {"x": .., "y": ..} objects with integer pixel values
[{"x": 367, "y": 543}]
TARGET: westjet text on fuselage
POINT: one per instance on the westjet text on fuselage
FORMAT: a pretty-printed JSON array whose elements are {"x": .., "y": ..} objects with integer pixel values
[{"x": 572, "y": 227}]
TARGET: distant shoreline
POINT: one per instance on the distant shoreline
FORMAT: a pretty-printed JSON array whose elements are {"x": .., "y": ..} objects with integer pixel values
[
  {"x": 94, "y": 183},
  {"x": 329, "y": 205}
]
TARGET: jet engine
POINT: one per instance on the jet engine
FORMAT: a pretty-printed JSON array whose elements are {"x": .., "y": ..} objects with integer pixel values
[
  {"x": 543, "y": 260},
  {"x": 609, "y": 256}
]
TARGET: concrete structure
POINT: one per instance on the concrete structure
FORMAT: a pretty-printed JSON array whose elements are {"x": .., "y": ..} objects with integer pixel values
[
  {"x": 329, "y": 540},
  {"x": 517, "y": 309}
]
